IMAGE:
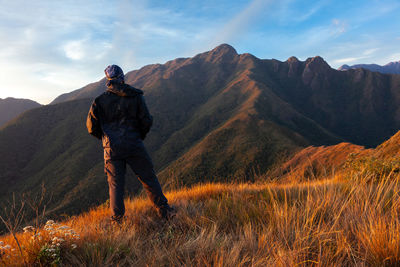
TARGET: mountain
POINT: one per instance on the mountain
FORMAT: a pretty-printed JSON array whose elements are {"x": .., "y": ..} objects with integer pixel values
[
  {"x": 325, "y": 161},
  {"x": 12, "y": 107},
  {"x": 358, "y": 106},
  {"x": 390, "y": 68},
  {"x": 219, "y": 116}
]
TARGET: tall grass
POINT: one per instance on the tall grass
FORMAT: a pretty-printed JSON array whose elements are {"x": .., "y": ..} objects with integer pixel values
[{"x": 349, "y": 220}]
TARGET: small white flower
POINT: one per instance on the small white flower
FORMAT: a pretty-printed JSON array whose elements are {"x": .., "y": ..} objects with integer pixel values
[
  {"x": 48, "y": 228},
  {"x": 73, "y": 246},
  {"x": 28, "y": 228},
  {"x": 54, "y": 255}
]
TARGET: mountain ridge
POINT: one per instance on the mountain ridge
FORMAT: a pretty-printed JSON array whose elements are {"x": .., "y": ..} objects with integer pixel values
[
  {"x": 389, "y": 68},
  {"x": 11, "y": 107}
]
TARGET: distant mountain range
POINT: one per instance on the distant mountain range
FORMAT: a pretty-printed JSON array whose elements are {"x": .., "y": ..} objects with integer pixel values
[
  {"x": 12, "y": 107},
  {"x": 390, "y": 68},
  {"x": 218, "y": 115}
]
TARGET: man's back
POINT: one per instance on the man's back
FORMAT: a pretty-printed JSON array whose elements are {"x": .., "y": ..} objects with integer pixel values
[{"x": 122, "y": 118}]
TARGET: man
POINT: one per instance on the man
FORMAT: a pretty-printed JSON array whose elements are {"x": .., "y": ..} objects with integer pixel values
[{"x": 120, "y": 118}]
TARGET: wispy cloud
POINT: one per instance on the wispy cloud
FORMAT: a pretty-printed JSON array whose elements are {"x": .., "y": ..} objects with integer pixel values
[
  {"x": 235, "y": 27},
  {"x": 347, "y": 60},
  {"x": 370, "y": 51},
  {"x": 376, "y": 9},
  {"x": 340, "y": 27},
  {"x": 309, "y": 12},
  {"x": 316, "y": 37}
]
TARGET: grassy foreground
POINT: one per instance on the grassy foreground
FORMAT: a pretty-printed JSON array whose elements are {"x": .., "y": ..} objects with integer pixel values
[{"x": 341, "y": 221}]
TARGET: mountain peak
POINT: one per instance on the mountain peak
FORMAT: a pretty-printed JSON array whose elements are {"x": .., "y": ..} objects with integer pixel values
[
  {"x": 344, "y": 67},
  {"x": 317, "y": 63},
  {"x": 292, "y": 59},
  {"x": 223, "y": 53},
  {"x": 224, "y": 49},
  {"x": 394, "y": 63},
  {"x": 316, "y": 60},
  {"x": 294, "y": 66}
]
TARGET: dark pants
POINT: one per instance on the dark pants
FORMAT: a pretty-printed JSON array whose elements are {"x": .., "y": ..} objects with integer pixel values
[{"x": 143, "y": 168}]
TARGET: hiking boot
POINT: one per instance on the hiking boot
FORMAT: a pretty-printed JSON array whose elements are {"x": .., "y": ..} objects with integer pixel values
[
  {"x": 117, "y": 219},
  {"x": 166, "y": 212}
]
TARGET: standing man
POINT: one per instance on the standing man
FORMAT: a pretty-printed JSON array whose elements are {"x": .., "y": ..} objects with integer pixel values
[{"x": 120, "y": 118}]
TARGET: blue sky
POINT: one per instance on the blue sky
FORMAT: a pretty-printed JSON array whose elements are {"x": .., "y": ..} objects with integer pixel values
[{"x": 53, "y": 47}]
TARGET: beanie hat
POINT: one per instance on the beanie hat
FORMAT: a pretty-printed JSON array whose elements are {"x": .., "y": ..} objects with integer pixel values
[{"x": 114, "y": 74}]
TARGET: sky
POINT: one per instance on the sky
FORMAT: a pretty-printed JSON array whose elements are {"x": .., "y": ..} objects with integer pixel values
[{"x": 51, "y": 47}]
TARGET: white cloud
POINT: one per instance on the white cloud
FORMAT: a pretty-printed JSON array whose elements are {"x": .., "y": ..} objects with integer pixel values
[
  {"x": 347, "y": 60},
  {"x": 74, "y": 50},
  {"x": 370, "y": 51},
  {"x": 339, "y": 27},
  {"x": 314, "y": 9}
]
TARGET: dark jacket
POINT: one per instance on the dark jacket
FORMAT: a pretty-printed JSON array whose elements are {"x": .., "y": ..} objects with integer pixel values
[{"x": 120, "y": 118}]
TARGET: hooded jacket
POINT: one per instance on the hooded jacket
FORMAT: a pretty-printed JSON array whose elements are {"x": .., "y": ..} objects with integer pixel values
[{"x": 120, "y": 118}]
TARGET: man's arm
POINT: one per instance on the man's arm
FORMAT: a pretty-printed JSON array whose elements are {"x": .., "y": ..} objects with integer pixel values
[
  {"x": 92, "y": 121},
  {"x": 145, "y": 119}
]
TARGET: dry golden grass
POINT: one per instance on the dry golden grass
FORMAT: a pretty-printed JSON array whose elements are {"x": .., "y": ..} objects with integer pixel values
[{"x": 343, "y": 221}]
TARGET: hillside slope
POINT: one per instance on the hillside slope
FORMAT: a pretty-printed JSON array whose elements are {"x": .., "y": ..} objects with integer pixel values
[
  {"x": 51, "y": 146},
  {"x": 324, "y": 161},
  {"x": 12, "y": 107}
]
